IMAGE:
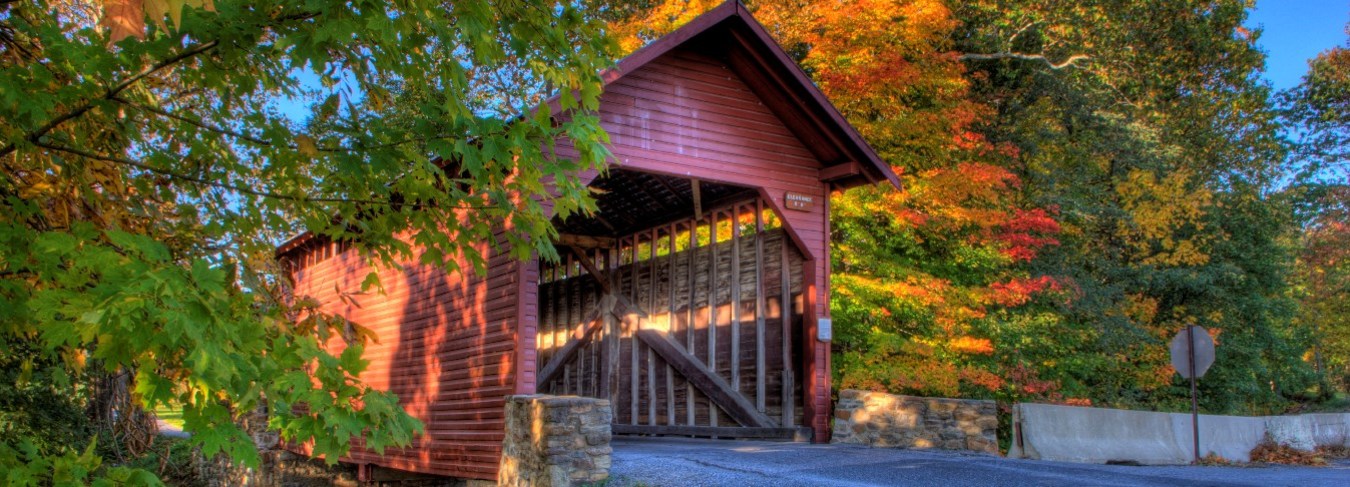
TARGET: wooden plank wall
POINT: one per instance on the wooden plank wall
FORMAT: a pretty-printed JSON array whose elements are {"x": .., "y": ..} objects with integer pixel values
[
  {"x": 747, "y": 347},
  {"x": 446, "y": 348}
]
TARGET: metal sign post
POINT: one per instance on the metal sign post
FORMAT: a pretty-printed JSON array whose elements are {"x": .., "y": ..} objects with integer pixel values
[
  {"x": 1192, "y": 354},
  {"x": 1195, "y": 402}
]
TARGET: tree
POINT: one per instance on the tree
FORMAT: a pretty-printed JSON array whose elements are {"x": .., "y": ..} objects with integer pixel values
[
  {"x": 1319, "y": 109},
  {"x": 1162, "y": 150},
  {"x": 149, "y": 174},
  {"x": 1318, "y": 112},
  {"x": 1081, "y": 180}
]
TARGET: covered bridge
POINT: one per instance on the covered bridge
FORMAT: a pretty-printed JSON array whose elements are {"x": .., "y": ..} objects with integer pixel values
[{"x": 696, "y": 300}]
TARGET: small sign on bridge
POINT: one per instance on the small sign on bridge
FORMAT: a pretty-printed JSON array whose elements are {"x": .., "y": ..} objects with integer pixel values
[{"x": 799, "y": 201}]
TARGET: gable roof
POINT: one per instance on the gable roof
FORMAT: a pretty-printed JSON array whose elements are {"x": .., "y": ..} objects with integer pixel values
[{"x": 729, "y": 32}]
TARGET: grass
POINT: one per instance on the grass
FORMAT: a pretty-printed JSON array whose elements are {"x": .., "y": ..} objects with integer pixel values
[{"x": 172, "y": 416}]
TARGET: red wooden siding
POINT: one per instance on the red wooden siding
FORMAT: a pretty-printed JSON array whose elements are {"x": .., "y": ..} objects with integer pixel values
[
  {"x": 446, "y": 348},
  {"x": 688, "y": 114}
]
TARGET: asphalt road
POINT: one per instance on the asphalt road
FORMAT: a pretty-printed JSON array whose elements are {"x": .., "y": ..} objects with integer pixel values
[{"x": 658, "y": 462}]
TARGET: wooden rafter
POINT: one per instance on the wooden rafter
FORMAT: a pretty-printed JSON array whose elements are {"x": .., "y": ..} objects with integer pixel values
[
  {"x": 698, "y": 199},
  {"x": 584, "y": 241}
]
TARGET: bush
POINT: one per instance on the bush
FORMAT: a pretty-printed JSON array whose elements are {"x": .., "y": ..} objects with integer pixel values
[{"x": 39, "y": 403}]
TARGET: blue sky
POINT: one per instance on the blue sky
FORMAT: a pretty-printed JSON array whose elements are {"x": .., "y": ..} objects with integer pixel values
[{"x": 1295, "y": 31}]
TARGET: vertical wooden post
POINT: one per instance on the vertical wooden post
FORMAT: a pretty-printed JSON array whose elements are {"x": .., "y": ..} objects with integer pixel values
[
  {"x": 712, "y": 307},
  {"x": 812, "y": 398},
  {"x": 566, "y": 321},
  {"x": 759, "y": 306},
  {"x": 633, "y": 341},
  {"x": 581, "y": 354},
  {"x": 615, "y": 333},
  {"x": 606, "y": 337},
  {"x": 736, "y": 298},
  {"x": 597, "y": 347},
  {"x": 670, "y": 320},
  {"x": 689, "y": 318},
  {"x": 824, "y": 358},
  {"x": 578, "y": 314},
  {"x": 651, "y": 305},
  {"x": 785, "y": 315},
  {"x": 541, "y": 335}
]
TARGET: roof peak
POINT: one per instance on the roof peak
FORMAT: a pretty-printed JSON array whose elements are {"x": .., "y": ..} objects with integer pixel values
[{"x": 731, "y": 26}]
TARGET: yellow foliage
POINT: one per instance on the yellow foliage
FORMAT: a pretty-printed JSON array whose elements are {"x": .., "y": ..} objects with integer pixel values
[
  {"x": 1166, "y": 224},
  {"x": 1141, "y": 308},
  {"x": 657, "y": 21}
]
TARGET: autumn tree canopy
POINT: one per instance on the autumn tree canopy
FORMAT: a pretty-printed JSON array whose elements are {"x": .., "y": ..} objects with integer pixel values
[{"x": 1081, "y": 180}]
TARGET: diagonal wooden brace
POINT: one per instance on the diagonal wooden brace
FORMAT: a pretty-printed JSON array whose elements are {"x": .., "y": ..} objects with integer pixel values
[
  {"x": 712, "y": 385},
  {"x": 580, "y": 336},
  {"x": 625, "y": 306}
]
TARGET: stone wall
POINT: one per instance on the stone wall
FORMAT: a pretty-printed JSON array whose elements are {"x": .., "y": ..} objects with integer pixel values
[
  {"x": 555, "y": 441},
  {"x": 885, "y": 420}
]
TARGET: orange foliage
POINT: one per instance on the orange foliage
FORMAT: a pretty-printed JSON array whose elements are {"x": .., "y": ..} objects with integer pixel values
[{"x": 971, "y": 345}]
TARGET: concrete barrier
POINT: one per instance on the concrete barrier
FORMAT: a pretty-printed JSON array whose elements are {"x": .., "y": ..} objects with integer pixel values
[{"x": 1099, "y": 435}]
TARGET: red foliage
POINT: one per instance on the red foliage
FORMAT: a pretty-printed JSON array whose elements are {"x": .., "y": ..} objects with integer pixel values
[
  {"x": 1019, "y": 291},
  {"x": 1027, "y": 232}
]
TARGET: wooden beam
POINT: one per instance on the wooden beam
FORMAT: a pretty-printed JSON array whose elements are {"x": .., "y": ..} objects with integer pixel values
[
  {"x": 567, "y": 284},
  {"x": 760, "y": 370},
  {"x": 603, "y": 221},
  {"x": 718, "y": 391},
  {"x": 712, "y": 307},
  {"x": 666, "y": 184},
  {"x": 651, "y": 304},
  {"x": 690, "y": 319},
  {"x": 635, "y": 364},
  {"x": 785, "y": 317},
  {"x": 840, "y": 171},
  {"x": 580, "y": 336},
  {"x": 744, "y": 196},
  {"x": 736, "y": 298},
  {"x": 583, "y": 241},
  {"x": 606, "y": 287},
  {"x": 670, "y": 322},
  {"x": 798, "y": 434},
  {"x": 813, "y": 398},
  {"x": 698, "y": 199},
  {"x": 614, "y": 337}
]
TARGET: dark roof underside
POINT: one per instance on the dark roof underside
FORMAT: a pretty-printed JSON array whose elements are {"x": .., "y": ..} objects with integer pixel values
[{"x": 632, "y": 201}]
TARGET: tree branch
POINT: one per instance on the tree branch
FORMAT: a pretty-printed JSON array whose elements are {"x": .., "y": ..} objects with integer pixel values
[
  {"x": 246, "y": 137},
  {"x": 109, "y": 94},
  {"x": 198, "y": 123},
  {"x": 217, "y": 184},
  {"x": 1067, "y": 62}
]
